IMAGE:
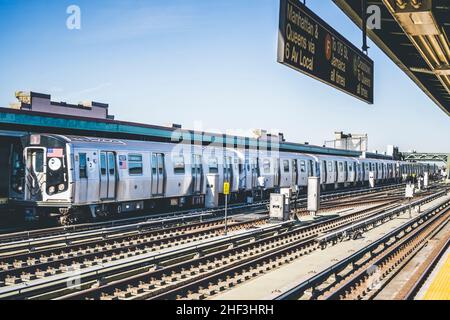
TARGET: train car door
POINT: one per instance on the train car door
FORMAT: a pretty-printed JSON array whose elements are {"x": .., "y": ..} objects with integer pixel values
[
  {"x": 294, "y": 172},
  {"x": 83, "y": 185},
  {"x": 363, "y": 166},
  {"x": 227, "y": 170},
  {"x": 324, "y": 170},
  {"x": 336, "y": 172},
  {"x": 35, "y": 173},
  {"x": 303, "y": 172},
  {"x": 107, "y": 175},
  {"x": 244, "y": 172},
  {"x": 197, "y": 173},
  {"x": 345, "y": 171},
  {"x": 254, "y": 166},
  {"x": 312, "y": 172},
  {"x": 276, "y": 169},
  {"x": 158, "y": 174},
  {"x": 5, "y": 172}
]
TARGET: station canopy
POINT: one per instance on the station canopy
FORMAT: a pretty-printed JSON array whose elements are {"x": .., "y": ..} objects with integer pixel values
[{"x": 414, "y": 34}]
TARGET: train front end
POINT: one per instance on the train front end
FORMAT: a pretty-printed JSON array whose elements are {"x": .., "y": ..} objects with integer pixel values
[{"x": 47, "y": 184}]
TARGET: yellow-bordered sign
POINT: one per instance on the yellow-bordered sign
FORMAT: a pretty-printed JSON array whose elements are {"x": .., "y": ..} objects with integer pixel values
[{"x": 226, "y": 188}]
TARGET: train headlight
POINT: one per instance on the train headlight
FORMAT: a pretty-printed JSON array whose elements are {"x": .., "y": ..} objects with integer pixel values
[
  {"x": 61, "y": 187},
  {"x": 51, "y": 189}
]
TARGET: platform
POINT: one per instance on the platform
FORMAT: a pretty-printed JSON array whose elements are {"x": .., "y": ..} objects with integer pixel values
[{"x": 438, "y": 285}]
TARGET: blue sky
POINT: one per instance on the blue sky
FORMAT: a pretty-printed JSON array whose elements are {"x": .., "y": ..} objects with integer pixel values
[{"x": 206, "y": 64}]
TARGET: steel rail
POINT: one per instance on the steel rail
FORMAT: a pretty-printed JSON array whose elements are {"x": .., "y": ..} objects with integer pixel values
[
  {"x": 414, "y": 290},
  {"x": 161, "y": 223},
  {"x": 70, "y": 256},
  {"x": 102, "y": 270},
  {"x": 139, "y": 277},
  {"x": 171, "y": 216},
  {"x": 408, "y": 245},
  {"x": 317, "y": 280}
]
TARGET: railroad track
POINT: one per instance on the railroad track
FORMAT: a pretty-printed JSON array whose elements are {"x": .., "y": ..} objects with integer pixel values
[
  {"x": 43, "y": 258},
  {"x": 439, "y": 244},
  {"x": 395, "y": 195},
  {"x": 174, "y": 218},
  {"x": 160, "y": 266},
  {"x": 41, "y": 263},
  {"x": 207, "y": 275},
  {"x": 365, "y": 273},
  {"x": 157, "y": 221},
  {"x": 20, "y": 242}
]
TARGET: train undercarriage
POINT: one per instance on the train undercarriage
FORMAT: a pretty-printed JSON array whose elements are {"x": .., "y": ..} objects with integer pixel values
[{"x": 67, "y": 214}]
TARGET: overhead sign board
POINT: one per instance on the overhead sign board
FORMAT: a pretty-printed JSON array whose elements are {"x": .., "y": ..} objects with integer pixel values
[{"x": 309, "y": 45}]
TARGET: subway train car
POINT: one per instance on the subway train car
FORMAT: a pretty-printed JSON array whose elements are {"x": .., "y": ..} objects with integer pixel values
[{"x": 74, "y": 176}]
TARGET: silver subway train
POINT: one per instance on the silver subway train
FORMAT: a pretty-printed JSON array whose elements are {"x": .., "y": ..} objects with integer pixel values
[{"x": 85, "y": 176}]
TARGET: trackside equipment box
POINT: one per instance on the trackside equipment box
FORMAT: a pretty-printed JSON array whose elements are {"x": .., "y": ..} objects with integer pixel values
[
  {"x": 313, "y": 194},
  {"x": 278, "y": 209}
]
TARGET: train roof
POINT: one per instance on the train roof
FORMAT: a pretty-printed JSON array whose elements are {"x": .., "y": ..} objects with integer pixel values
[
  {"x": 138, "y": 145},
  {"x": 31, "y": 121}
]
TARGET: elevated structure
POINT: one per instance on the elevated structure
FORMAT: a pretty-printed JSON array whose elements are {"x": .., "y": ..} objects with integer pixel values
[
  {"x": 39, "y": 102},
  {"x": 414, "y": 34},
  {"x": 351, "y": 141},
  {"x": 426, "y": 157},
  {"x": 36, "y": 113}
]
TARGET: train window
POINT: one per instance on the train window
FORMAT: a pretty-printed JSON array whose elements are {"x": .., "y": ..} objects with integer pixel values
[
  {"x": 135, "y": 166},
  {"x": 178, "y": 164},
  {"x": 111, "y": 164},
  {"x": 38, "y": 158},
  {"x": 227, "y": 165},
  {"x": 213, "y": 165},
  {"x": 161, "y": 163},
  {"x": 255, "y": 166},
  {"x": 294, "y": 166},
  {"x": 154, "y": 164},
  {"x": 266, "y": 166},
  {"x": 302, "y": 166},
  {"x": 82, "y": 165},
  {"x": 241, "y": 167},
  {"x": 350, "y": 167},
  {"x": 286, "y": 165},
  {"x": 311, "y": 168},
  {"x": 341, "y": 167},
  {"x": 103, "y": 164},
  {"x": 330, "y": 166}
]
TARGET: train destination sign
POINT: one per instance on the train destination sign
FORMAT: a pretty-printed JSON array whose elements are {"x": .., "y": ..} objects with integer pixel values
[{"x": 308, "y": 44}]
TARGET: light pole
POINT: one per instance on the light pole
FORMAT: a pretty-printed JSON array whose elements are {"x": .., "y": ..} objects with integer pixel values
[{"x": 226, "y": 192}]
